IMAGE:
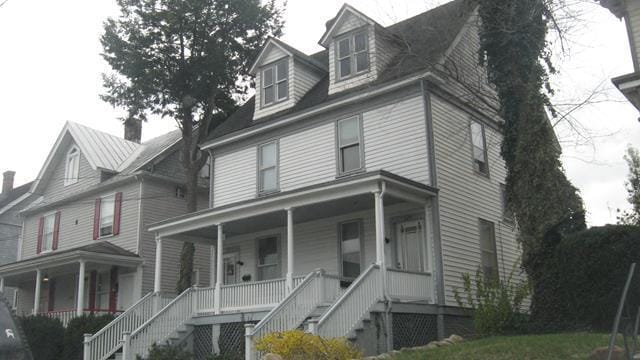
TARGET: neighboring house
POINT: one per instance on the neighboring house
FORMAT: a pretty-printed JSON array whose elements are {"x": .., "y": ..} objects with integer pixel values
[
  {"x": 84, "y": 247},
  {"x": 12, "y": 201},
  {"x": 629, "y": 10},
  {"x": 349, "y": 196}
]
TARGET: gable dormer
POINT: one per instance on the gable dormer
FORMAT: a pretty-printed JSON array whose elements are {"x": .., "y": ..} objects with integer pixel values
[
  {"x": 359, "y": 49},
  {"x": 283, "y": 76}
]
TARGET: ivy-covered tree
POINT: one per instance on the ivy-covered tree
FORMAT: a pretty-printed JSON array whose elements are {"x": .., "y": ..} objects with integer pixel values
[
  {"x": 514, "y": 47},
  {"x": 185, "y": 59},
  {"x": 632, "y": 217}
]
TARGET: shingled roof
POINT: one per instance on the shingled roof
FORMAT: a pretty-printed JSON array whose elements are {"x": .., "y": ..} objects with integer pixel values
[
  {"x": 13, "y": 195},
  {"x": 425, "y": 38}
]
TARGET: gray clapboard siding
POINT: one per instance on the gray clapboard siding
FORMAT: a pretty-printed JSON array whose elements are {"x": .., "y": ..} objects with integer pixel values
[
  {"x": 24, "y": 304},
  {"x": 76, "y": 223},
  {"x": 262, "y": 111},
  {"x": 466, "y": 196},
  {"x": 55, "y": 188},
  {"x": 304, "y": 78},
  {"x": 171, "y": 167},
  {"x": 235, "y": 176}
]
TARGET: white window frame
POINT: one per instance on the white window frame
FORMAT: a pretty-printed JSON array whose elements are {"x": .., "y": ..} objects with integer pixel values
[
  {"x": 277, "y": 264},
  {"x": 47, "y": 246},
  {"x": 107, "y": 221},
  {"x": 276, "y": 82},
  {"x": 476, "y": 167},
  {"x": 261, "y": 169},
  {"x": 352, "y": 55},
  {"x": 492, "y": 252},
  {"x": 340, "y": 146},
  {"x": 72, "y": 166}
]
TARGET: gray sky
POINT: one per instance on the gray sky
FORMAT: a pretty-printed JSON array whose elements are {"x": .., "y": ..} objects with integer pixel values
[{"x": 50, "y": 72}]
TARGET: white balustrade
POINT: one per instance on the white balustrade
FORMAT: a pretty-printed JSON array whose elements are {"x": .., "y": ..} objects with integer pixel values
[
  {"x": 408, "y": 285},
  {"x": 254, "y": 294}
]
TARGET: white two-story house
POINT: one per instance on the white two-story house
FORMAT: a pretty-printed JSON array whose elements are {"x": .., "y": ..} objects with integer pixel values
[{"x": 348, "y": 196}]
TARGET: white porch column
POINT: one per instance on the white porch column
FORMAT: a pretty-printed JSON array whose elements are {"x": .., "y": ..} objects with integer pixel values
[
  {"x": 290, "y": 261},
  {"x": 80, "y": 303},
  {"x": 219, "y": 271},
  {"x": 158, "y": 269},
  {"x": 1, "y": 284},
  {"x": 212, "y": 266},
  {"x": 36, "y": 298},
  {"x": 379, "y": 209}
]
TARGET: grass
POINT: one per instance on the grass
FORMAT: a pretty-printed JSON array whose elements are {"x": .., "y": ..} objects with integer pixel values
[{"x": 529, "y": 347}]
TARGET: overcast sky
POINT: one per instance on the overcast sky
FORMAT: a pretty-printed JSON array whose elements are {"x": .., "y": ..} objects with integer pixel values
[{"x": 50, "y": 68}]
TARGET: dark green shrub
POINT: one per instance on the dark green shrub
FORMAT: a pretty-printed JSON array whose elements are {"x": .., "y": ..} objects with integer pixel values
[
  {"x": 74, "y": 334},
  {"x": 44, "y": 335},
  {"x": 167, "y": 353},
  {"x": 583, "y": 279}
]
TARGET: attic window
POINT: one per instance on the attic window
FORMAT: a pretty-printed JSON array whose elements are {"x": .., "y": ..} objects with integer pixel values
[
  {"x": 72, "y": 166},
  {"x": 275, "y": 83},
  {"x": 352, "y": 55}
]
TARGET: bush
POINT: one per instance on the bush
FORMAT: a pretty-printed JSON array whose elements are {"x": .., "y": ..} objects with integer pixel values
[
  {"x": 496, "y": 304},
  {"x": 167, "y": 353},
  {"x": 296, "y": 344},
  {"x": 74, "y": 334},
  {"x": 583, "y": 279},
  {"x": 44, "y": 335}
]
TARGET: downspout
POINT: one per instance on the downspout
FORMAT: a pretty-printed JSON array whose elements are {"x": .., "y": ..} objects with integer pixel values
[{"x": 437, "y": 238}]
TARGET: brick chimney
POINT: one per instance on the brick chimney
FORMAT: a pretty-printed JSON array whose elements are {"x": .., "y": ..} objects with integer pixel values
[
  {"x": 7, "y": 181},
  {"x": 133, "y": 130}
]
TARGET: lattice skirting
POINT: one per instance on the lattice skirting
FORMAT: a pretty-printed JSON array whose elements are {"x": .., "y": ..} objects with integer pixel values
[
  {"x": 459, "y": 325},
  {"x": 202, "y": 342},
  {"x": 413, "y": 329}
]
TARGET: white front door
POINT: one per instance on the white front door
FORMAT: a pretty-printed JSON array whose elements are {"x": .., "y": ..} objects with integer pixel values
[
  {"x": 231, "y": 268},
  {"x": 411, "y": 245},
  {"x": 125, "y": 290}
]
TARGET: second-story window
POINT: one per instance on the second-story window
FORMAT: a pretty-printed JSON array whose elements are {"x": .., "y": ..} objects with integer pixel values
[
  {"x": 275, "y": 84},
  {"x": 48, "y": 232},
  {"x": 352, "y": 56},
  {"x": 106, "y": 218},
  {"x": 349, "y": 145},
  {"x": 268, "y": 167},
  {"x": 478, "y": 141},
  {"x": 72, "y": 166},
  {"x": 106, "y": 215}
]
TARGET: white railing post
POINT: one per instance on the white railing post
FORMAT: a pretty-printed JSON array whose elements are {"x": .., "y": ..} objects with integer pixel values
[
  {"x": 194, "y": 300},
  {"x": 248, "y": 341},
  {"x": 323, "y": 283},
  {"x": 313, "y": 326},
  {"x": 86, "y": 352},
  {"x": 80, "y": 303},
  {"x": 290, "y": 259},
  {"x": 158, "y": 266},
  {"x": 219, "y": 271},
  {"x": 126, "y": 345}
]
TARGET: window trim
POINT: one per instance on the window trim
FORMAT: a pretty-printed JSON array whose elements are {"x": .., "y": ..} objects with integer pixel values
[
  {"x": 259, "y": 169},
  {"x": 495, "y": 247},
  {"x": 485, "y": 149},
  {"x": 274, "y": 67},
  {"x": 113, "y": 216},
  {"x": 352, "y": 53},
  {"x": 361, "y": 168},
  {"x": 70, "y": 179},
  {"x": 362, "y": 241},
  {"x": 279, "y": 256}
]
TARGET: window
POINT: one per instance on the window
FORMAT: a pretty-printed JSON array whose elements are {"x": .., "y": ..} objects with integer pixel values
[
  {"x": 72, "y": 167},
  {"x": 268, "y": 167},
  {"x": 479, "y": 148},
  {"x": 350, "y": 249},
  {"x": 352, "y": 55},
  {"x": 48, "y": 232},
  {"x": 275, "y": 84},
  {"x": 507, "y": 214},
  {"x": 349, "y": 145},
  {"x": 489, "y": 256},
  {"x": 268, "y": 258},
  {"x": 107, "y": 206}
]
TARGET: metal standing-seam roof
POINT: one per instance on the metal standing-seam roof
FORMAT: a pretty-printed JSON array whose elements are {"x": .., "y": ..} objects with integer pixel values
[{"x": 104, "y": 151}]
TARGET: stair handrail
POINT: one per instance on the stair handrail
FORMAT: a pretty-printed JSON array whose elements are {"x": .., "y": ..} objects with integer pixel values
[
  {"x": 375, "y": 296},
  {"x": 110, "y": 334}
]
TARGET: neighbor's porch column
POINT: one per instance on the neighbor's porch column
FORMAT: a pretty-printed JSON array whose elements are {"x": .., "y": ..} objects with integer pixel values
[
  {"x": 158, "y": 269},
  {"x": 2, "y": 284},
  {"x": 219, "y": 271},
  {"x": 289, "y": 279},
  {"x": 212, "y": 266},
  {"x": 36, "y": 298},
  {"x": 379, "y": 210},
  {"x": 80, "y": 303}
]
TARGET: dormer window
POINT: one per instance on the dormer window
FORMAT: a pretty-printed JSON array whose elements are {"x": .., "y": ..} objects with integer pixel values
[
  {"x": 275, "y": 83},
  {"x": 72, "y": 166},
  {"x": 352, "y": 55}
]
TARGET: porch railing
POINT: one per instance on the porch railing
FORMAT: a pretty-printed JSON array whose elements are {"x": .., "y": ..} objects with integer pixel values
[
  {"x": 250, "y": 295},
  {"x": 65, "y": 316},
  {"x": 107, "y": 341},
  {"x": 409, "y": 285}
]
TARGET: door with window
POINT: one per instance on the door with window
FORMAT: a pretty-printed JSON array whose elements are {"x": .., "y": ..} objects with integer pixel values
[
  {"x": 411, "y": 246},
  {"x": 268, "y": 258},
  {"x": 350, "y": 249},
  {"x": 230, "y": 266}
]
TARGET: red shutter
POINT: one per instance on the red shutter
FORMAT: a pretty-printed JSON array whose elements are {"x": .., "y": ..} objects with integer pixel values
[
  {"x": 113, "y": 289},
  {"x": 56, "y": 231},
  {"x": 93, "y": 279},
  {"x": 52, "y": 294},
  {"x": 40, "y": 232},
  {"x": 116, "y": 213},
  {"x": 96, "y": 220}
]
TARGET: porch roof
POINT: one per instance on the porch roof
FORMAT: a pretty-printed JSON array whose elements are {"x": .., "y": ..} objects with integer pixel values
[
  {"x": 367, "y": 182},
  {"x": 101, "y": 252}
]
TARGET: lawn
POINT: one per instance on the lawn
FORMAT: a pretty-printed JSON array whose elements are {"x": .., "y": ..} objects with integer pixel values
[{"x": 530, "y": 347}]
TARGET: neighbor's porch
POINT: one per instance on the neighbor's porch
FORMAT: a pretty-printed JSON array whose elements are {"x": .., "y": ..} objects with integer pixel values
[{"x": 262, "y": 249}]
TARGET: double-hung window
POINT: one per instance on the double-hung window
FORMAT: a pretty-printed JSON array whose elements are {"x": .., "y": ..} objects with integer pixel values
[
  {"x": 352, "y": 54},
  {"x": 349, "y": 145},
  {"x": 489, "y": 255},
  {"x": 275, "y": 83},
  {"x": 268, "y": 258},
  {"x": 48, "y": 232},
  {"x": 268, "y": 167},
  {"x": 478, "y": 140},
  {"x": 107, "y": 207},
  {"x": 350, "y": 249},
  {"x": 72, "y": 166}
]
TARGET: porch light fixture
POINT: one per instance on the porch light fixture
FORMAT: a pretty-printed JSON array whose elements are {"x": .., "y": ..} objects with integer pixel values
[{"x": 45, "y": 278}]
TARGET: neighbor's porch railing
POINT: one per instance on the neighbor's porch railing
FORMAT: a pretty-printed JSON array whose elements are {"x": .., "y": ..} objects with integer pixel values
[
  {"x": 409, "y": 285},
  {"x": 65, "y": 316}
]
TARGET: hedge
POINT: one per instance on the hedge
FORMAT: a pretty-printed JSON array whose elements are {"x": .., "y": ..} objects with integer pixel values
[
  {"x": 584, "y": 276},
  {"x": 74, "y": 334},
  {"x": 44, "y": 335}
]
